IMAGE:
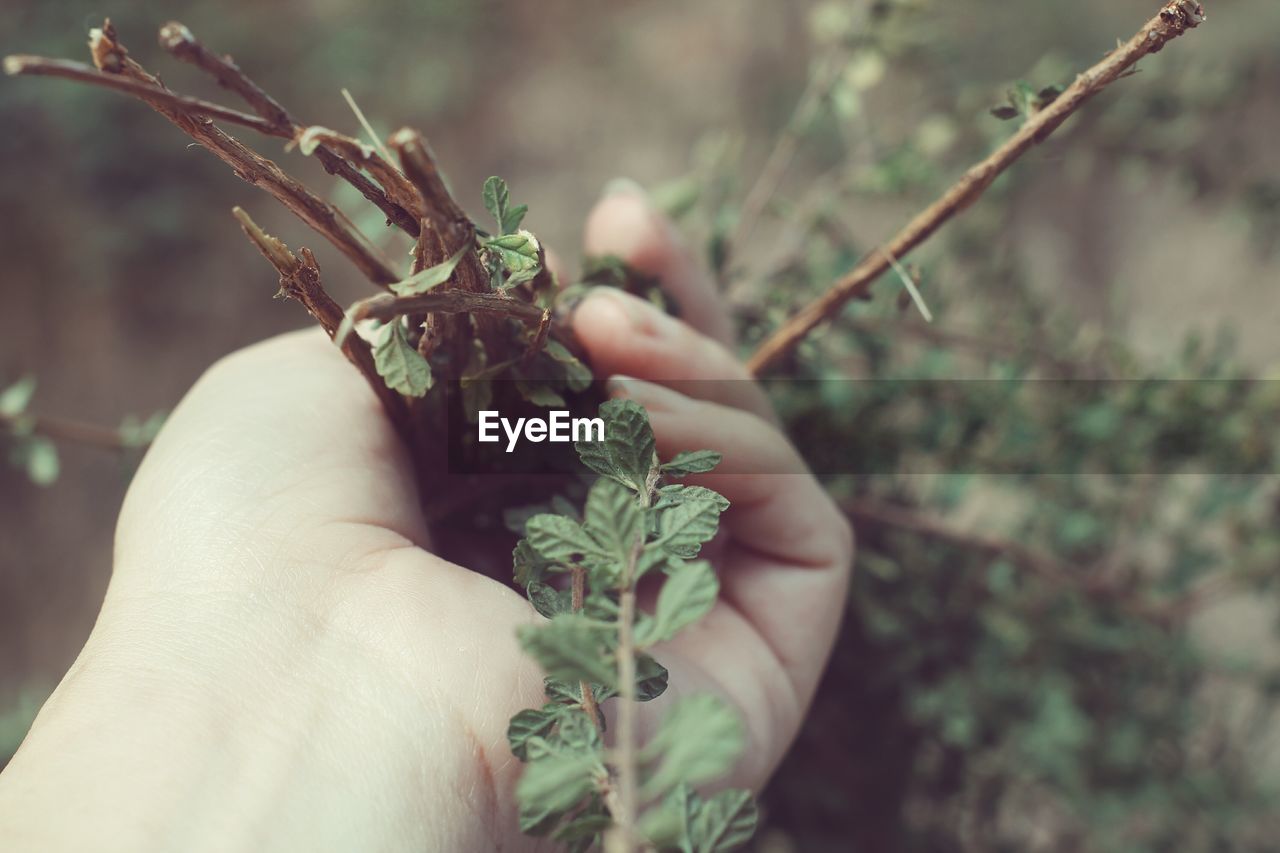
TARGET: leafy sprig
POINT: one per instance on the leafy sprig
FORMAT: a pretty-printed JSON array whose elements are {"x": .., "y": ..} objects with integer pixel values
[{"x": 595, "y": 646}]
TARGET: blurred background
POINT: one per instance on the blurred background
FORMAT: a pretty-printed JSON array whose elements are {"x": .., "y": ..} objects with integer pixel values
[{"x": 1077, "y": 662}]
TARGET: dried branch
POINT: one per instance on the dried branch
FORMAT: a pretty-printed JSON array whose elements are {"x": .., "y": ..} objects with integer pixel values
[
  {"x": 1173, "y": 20},
  {"x": 64, "y": 429},
  {"x": 300, "y": 280},
  {"x": 391, "y": 199},
  {"x": 1042, "y": 565},
  {"x": 386, "y": 307},
  {"x": 113, "y": 61},
  {"x": 39, "y": 66}
]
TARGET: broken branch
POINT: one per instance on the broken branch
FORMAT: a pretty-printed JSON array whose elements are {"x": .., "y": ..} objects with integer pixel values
[{"x": 1173, "y": 20}]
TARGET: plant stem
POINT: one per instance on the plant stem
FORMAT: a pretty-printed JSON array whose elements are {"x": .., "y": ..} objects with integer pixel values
[
  {"x": 578, "y": 593},
  {"x": 1173, "y": 20},
  {"x": 63, "y": 429},
  {"x": 624, "y": 840}
]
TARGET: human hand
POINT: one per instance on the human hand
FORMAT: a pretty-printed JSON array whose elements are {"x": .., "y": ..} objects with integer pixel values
[{"x": 281, "y": 661}]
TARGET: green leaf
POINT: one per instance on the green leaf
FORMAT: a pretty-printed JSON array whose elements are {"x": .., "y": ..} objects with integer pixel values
[
  {"x": 15, "y": 399},
  {"x": 548, "y": 600},
  {"x": 651, "y": 678},
  {"x": 528, "y": 564},
  {"x": 698, "y": 740},
  {"x": 723, "y": 823},
  {"x": 399, "y": 364},
  {"x": 572, "y": 648},
  {"x": 421, "y": 282},
  {"x": 577, "y": 376},
  {"x": 684, "y": 527},
  {"x": 614, "y": 518},
  {"x": 627, "y": 452},
  {"x": 497, "y": 200},
  {"x": 553, "y": 783},
  {"x": 674, "y": 495},
  {"x": 531, "y": 723},
  {"x": 40, "y": 456},
  {"x": 561, "y": 540},
  {"x": 539, "y": 394},
  {"x": 687, "y": 595},
  {"x": 518, "y": 253},
  {"x": 692, "y": 462}
]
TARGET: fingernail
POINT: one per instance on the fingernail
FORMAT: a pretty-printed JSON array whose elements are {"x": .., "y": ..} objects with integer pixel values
[
  {"x": 618, "y": 302},
  {"x": 624, "y": 186},
  {"x": 654, "y": 397}
]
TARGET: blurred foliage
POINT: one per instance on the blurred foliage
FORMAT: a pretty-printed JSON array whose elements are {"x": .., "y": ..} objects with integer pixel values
[
  {"x": 1054, "y": 694},
  {"x": 1048, "y": 515}
]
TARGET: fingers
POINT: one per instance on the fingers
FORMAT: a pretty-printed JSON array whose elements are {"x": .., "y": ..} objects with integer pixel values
[
  {"x": 626, "y": 335},
  {"x": 624, "y": 223},
  {"x": 785, "y": 566}
]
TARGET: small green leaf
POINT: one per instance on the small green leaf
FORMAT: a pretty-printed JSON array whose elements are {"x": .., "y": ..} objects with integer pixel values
[
  {"x": 530, "y": 723},
  {"x": 548, "y": 600},
  {"x": 651, "y": 678},
  {"x": 553, "y": 783},
  {"x": 577, "y": 376},
  {"x": 421, "y": 282},
  {"x": 674, "y": 495},
  {"x": 399, "y": 364},
  {"x": 687, "y": 595},
  {"x": 692, "y": 462},
  {"x": 627, "y": 452},
  {"x": 614, "y": 518},
  {"x": 528, "y": 564},
  {"x": 684, "y": 527},
  {"x": 41, "y": 459},
  {"x": 15, "y": 399},
  {"x": 497, "y": 200},
  {"x": 539, "y": 394},
  {"x": 561, "y": 540},
  {"x": 723, "y": 823},
  {"x": 572, "y": 648},
  {"x": 699, "y": 739},
  {"x": 518, "y": 253}
]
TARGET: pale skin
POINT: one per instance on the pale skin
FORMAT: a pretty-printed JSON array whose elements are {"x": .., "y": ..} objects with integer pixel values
[{"x": 281, "y": 662}]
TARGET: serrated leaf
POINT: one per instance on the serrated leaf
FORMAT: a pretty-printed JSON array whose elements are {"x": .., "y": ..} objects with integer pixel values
[
  {"x": 562, "y": 540},
  {"x": 692, "y": 462},
  {"x": 518, "y": 253},
  {"x": 497, "y": 200},
  {"x": 698, "y": 740},
  {"x": 684, "y": 527},
  {"x": 577, "y": 376},
  {"x": 400, "y": 365},
  {"x": 572, "y": 648},
  {"x": 614, "y": 518},
  {"x": 529, "y": 566},
  {"x": 433, "y": 276},
  {"x": 539, "y": 394},
  {"x": 627, "y": 452},
  {"x": 651, "y": 678},
  {"x": 674, "y": 495},
  {"x": 531, "y": 723},
  {"x": 723, "y": 823},
  {"x": 553, "y": 783},
  {"x": 688, "y": 594},
  {"x": 549, "y": 601},
  {"x": 15, "y": 399}
]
